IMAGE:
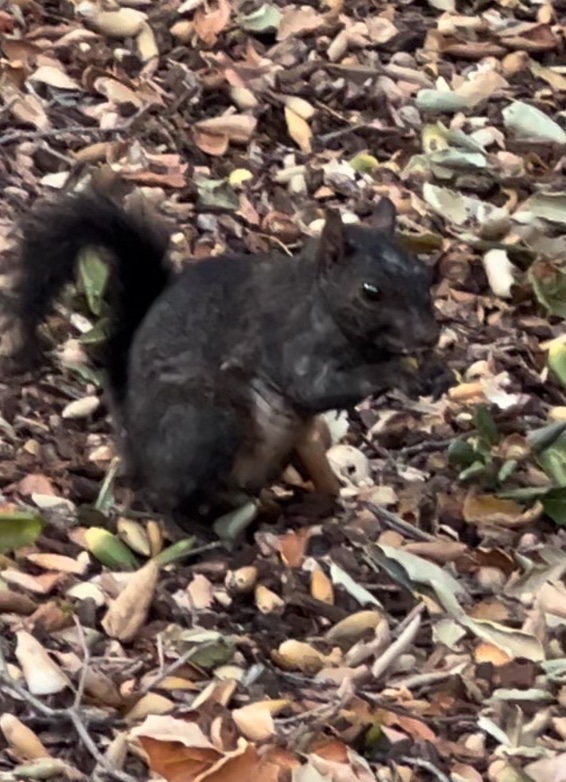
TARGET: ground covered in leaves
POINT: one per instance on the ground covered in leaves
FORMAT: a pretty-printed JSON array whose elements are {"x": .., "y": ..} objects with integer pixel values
[{"x": 418, "y": 633}]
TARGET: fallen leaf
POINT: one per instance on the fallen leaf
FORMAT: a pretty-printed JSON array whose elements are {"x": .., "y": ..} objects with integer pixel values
[
  {"x": 128, "y": 612},
  {"x": 299, "y": 130},
  {"x": 210, "y": 23}
]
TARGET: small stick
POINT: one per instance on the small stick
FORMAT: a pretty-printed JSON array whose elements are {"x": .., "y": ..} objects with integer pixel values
[{"x": 71, "y": 714}]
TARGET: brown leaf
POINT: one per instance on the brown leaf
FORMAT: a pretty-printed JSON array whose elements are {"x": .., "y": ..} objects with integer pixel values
[
  {"x": 299, "y": 20},
  {"x": 36, "y": 483},
  {"x": 236, "y": 127},
  {"x": 177, "y": 749},
  {"x": 54, "y": 77},
  {"x": 215, "y": 144},
  {"x": 209, "y": 24},
  {"x": 488, "y": 509},
  {"x": 128, "y": 612}
]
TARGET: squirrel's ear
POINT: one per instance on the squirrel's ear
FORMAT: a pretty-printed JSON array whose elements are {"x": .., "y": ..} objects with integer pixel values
[
  {"x": 384, "y": 217},
  {"x": 332, "y": 243}
]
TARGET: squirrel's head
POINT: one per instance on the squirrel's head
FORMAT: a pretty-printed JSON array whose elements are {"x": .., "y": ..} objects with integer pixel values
[{"x": 377, "y": 293}]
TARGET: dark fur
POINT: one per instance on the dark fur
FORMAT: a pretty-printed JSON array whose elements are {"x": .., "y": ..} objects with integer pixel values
[{"x": 191, "y": 360}]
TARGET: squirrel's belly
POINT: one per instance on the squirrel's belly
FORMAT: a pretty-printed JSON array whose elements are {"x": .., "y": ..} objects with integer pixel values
[{"x": 275, "y": 431}]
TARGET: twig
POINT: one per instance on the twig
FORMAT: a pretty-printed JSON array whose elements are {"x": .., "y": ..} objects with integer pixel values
[
  {"x": 34, "y": 135},
  {"x": 396, "y": 522},
  {"x": 71, "y": 714},
  {"x": 427, "y": 445},
  {"x": 171, "y": 668},
  {"x": 84, "y": 669}
]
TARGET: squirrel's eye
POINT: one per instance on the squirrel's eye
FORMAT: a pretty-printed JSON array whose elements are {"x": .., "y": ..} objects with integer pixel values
[{"x": 371, "y": 292}]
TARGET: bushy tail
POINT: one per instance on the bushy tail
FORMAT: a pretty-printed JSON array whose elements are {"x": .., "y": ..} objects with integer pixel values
[{"x": 54, "y": 234}]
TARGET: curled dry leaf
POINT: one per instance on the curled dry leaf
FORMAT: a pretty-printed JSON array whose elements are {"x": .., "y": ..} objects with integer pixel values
[
  {"x": 200, "y": 592},
  {"x": 255, "y": 721},
  {"x": 134, "y": 535},
  {"x": 241, "y": 580},
  {"x": 297, "y": 655},
  {"x": 300, "y": 107},
  {"x": 353, "y": 627},
  {"x": 114, "y": 24},
  {"x": 151, "y": 704},
  {"x": 500, "y": 272},
  {"x": 54, "y": 77},
  {"x": 209, "y": 23},
  {"x": 486, "y": 509},
  {"x": 146, "y": 43},
  {"x": 128, "y": 612},
  {"x": 321, "y": 587},
  {"x": 299, "y": 130},
  {"x": 42, "y": 675},
  {"x": 267, "y": 601},
  {"x": 22, "y": 741},
  {"x": 551, "y": 598},
  {"x": 81, "y": 408},
  {"x": 238, "y": 128},
  {"x": 298, "y": 21},
  {"x": 59, "y": 562}
]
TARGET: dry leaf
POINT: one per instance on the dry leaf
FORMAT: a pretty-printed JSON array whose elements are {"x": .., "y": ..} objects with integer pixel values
[
  {"x": 255, "y": 721},
  {"x": 208, "y": 24},
  {"x": 22, "y": 741},
  {"x": 298, "y": 20},
  {"x": 128, "y": 612},
  {"x": 117, "y": 24},
  {"x": 54, "y": 77},
  {"x": 42, "y": 675},
  {"x": 236, "y": 127},
  {"x": 299, "y": 130}
]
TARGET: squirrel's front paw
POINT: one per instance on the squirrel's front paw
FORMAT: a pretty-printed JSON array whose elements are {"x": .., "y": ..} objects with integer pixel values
[{"x": 427, "y": 376}]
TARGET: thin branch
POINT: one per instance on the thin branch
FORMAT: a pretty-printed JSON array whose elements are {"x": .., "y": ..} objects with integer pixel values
[
  {"x": 71, "y": 714},
  {"x": 15, "y": 136}
]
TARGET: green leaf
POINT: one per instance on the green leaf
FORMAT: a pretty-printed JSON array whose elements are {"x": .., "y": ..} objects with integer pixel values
[
  {"x": 522, "y": 493},
  {"x": 265, "y": 18},
  {"x": 212, "y": 655},
  {"x": 110, "y": 550},
  {"x": 176, "y": 552},
  {"x": 557, "y": 361},
  {"x": 531, "y": 124},
  {"x": 486, "y": 426},
  {"x": 553, "y": 461},
  {"x": 473, "y": 471},
  {"x": 507, "y": 469},
  {"x": 554, "y": 503},
  {"x": 461, "y": 453},
  {"x": 364, "y": 163},
  {"x": 549, "y": 285},
  {"x": 218, "y": 193},
  {"x": 19, "y": 528},
  {"x": 540, "y": 439},
  {"x": 97, "y": 334},
  {"x": 445, "y": 101},
  {"x": 93, "y": 274}
]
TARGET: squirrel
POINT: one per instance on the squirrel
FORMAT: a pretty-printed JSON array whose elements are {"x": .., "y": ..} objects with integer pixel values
[{"x": 216, "y": 373}]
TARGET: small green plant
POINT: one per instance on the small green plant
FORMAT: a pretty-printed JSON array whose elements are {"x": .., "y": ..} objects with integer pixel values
[
  {"x": 489, "y": 459},
  {"x": 477, "y": 455}
]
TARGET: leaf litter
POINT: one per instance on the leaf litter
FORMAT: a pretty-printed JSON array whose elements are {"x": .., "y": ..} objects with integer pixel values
[{"x": 416, "y": 634}]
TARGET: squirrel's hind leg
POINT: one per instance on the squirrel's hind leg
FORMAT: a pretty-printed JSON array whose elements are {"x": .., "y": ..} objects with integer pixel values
[{"x": 185, "y": 457}]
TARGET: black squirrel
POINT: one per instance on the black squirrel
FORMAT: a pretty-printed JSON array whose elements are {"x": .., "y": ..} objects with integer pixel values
[{"x": 217, "y": 372}]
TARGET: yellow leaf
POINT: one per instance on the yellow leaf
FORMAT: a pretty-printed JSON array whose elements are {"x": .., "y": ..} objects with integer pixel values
[{"x": 299, "y": 130}]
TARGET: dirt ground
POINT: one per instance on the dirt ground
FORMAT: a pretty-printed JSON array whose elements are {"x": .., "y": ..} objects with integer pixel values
[{"x": 414, "y": 632}]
